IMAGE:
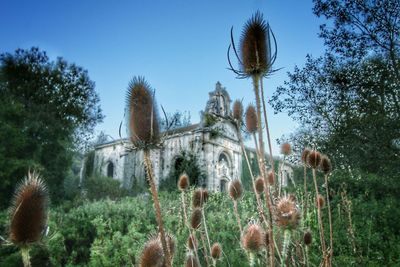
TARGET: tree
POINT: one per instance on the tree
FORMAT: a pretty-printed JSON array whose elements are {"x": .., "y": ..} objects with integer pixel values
[
  {"x": 47, "y": 109},
  {"x": 348, "y": 100}
]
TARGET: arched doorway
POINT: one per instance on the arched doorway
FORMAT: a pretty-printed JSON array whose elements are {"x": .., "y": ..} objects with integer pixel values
[
  {"x": 224, "y": 171},
  {"x": 110, "y": 169}
]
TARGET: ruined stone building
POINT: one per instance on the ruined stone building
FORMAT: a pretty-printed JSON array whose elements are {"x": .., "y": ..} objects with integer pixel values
[{"x": 214, "y": 142}]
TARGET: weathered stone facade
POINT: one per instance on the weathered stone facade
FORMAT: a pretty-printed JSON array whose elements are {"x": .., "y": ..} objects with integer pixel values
[{"x": 214, "y": 141}]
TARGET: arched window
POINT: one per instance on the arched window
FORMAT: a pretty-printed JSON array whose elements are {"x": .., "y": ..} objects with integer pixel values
[
  {"x": 222, "y": 185},
  {"x": 110, "y": 169}
]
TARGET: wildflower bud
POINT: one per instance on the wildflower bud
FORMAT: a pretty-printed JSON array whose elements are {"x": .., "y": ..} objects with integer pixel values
[
  {"x": 183, "y": 183},
  {"x": 238, "y": 110},
  {"x": 216, "y": 251},
  {"x": 29, "y": 211},
  {"x": 314, "y": 159},
  {"x": 195, "y": 220},
  {"x": 304, "y": 155},
  {"x": 251, "y": 119},
  {"x": 320, "y": 201},
  {"x": 143, "y": 117},
  {"x": 152, "y": 254},
  {"x": 307, "y": 238},
  {"x": 253, "y": 238},
  {"x": 271, "y": 178},
  {"x": 200, "y": 197},
  {"x": 287, "y": 214},
  {"x": 192, "y": 242},
  {"x": 286, "y": 149},
  {"x": 235, "y": 189},
  {"x": 325, "y": 165},
  {"x": 259, "y": 184}
]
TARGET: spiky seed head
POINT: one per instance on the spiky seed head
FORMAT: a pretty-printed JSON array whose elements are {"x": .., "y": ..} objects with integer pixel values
[
  {"x": 251, "y": 119},
  {"x": 238, "y": 110},
  {"x": 286, "y": 149},
  {"x": 171, "y": 242},
  {"x": 191, "y": 261},
  {"x": 28, "y": 212},
  {"x": 271, "y": 178},
  {"x": 325, "y": 165},
  {"x": 304, "y": 155},
  {"x": 253, "y": 238},
  {"x": 314, "y": 159},
  {"x": 320, "y": 201},
  {"x": 292, "y": 197},
  {"x": 255, "y": 47},
  {"x": 307, "y": 238},
  {"x": 216, "y": 251},
  {"x": 183, "y": 183},
  {"x": 143, "y": 115},
  {"x": 235, "y": 189},
  {"x": 195, "y": 219},
  {"x": 192, "y": 242},
  {"x": 259, "y": 184},
  {"x": 200, "y": 197},
  {"x": 287, "y": 214},
  {"x": 152, "y": 254}
]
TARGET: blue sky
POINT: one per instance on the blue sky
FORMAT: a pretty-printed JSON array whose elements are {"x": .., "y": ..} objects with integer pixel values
[{"x": 179, "y": 46}]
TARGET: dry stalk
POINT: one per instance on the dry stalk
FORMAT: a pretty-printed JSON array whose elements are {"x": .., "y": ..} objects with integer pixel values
[
  {"x": 157, "y": 207},
  {"x": 192, "y": 234},
  {"x": 330, "y": 221}
]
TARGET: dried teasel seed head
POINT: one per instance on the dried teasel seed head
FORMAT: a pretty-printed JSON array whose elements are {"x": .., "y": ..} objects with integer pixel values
[
  {"x": 271, "y": 178},
  {"x": 251, "y": 119},
  {"x": 253, "y": 238},
  {"x": 200, "y": 197},
  {"x": 183, "y": 183},
  {"x": 191, "y": 261},
  {"x": 216, "y": 251},
  {"x": 152, "y": 254},
  {"x": 238, "y": 110},
  {"x": 287, "y": 214},
  {"x": 304, "y": 155},
  {"x": 143, "y": 116},
  {"x": 192, "y": 242},
  {"x": 195, "y": 219},
  {"x": 235, "y": 189},
  {"x": 292, "y": 197},
  {"x": 286, "y": 149},
  {"x": 307, "y": 238},
  {"x": 259, "y": 184},
  {"x": 325, "y": 165},
  {"x": 314, "y": 159},
  {"x": 171, "y": 242},
  {"x": 320, "y": 201},
  {"x": 28, "y": 212},
  {"x": 255, "y": 47}
]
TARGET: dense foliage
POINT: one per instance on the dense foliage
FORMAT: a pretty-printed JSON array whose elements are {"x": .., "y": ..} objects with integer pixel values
[
  {"x": 47, "y": 108},
  {"x": 112, "y": 232}
]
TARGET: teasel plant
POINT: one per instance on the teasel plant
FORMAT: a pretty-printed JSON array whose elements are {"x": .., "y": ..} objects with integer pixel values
[
  {"x": 286, "y": 150},
  {"x": 253, "y": 241},
  {"x": 183, "y": 186},
  {"x": 326, "y": 167},
  {"x": 235, "y": 190},
  {"x": 216, "y": 251},
  {"x": 255, "y": 58},
  {"x": 304, "y": 156},
  {"x": 199, "y": 199},
  {"x": 144, "y": 134},
  {"x": 238, "y": 122},
  {"x": 314, "y": 160},
  {"x": 153, "y": 253},
  {"x": 287, "y": 217},
  {"x": 28, "y": 215}
]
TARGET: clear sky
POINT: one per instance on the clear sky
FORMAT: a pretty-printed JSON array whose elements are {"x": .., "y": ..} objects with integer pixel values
[{"x": 179, "y": 46}]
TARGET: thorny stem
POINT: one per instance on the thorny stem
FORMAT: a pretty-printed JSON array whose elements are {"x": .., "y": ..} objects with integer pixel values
[
  {"x": 330, "y": 221},
  {"x": 321, "y": 227},
  {"x": 204, "y": 248},
  {"x": 259, "y": 205},
  {"x": 205, "y": 229},
  {"x": 157, "y": 207},
  {"x": 305, "y": 197},
  {"x": 286, "y": 242},
  {"x": 281, "y": 176},
  {"x": 235, "y": 208},
  {"x": 191, "y": 234},
  {"x": 271, "y": 158},
  {"x": 26, "y": 259},
  {"x": 261, "y": 162}
]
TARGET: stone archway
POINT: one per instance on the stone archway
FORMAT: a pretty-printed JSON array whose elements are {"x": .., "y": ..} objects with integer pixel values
[{"x": 224, "y": 171}]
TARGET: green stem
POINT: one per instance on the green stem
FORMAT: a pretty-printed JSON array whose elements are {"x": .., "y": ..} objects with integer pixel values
[
  {"x": 285, "y": 247},
  {"x": 26, "y": 259}
]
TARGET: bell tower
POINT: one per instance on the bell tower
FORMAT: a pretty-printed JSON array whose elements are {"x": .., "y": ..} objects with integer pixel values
[{"x": 219, "y": 102}]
